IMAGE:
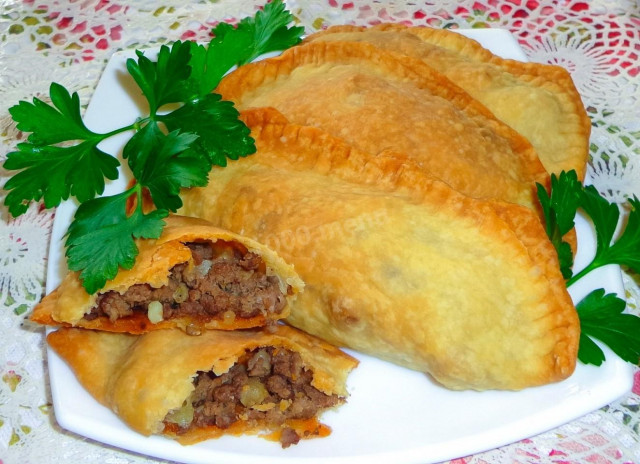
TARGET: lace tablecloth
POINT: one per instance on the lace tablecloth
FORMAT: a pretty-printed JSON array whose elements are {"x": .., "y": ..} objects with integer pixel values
[{"x": 69, "y": 42}]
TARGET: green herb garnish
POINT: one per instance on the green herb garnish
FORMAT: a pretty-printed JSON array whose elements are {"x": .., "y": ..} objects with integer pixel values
[
  {"x": 601, "y": 315},
  {"x": 168, "y": 151},
  {"x": 625, "y": 250},
  {"x": 559, "y": 211},
  {"x": 50, "y": 171}
]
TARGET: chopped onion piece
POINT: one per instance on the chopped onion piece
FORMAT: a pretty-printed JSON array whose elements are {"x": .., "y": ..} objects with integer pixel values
[
  {"x": 253, "y": 393},
  {"x": 261, "y": 361},
  {"x": 181, "y": 294},
  {"x": 154, "y": 312},
  {"x": 182, "y": 416},
  {"x": 203, "y": 267}
]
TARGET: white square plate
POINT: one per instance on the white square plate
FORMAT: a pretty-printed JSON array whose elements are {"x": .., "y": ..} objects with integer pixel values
[{"x": 393, "y": 414}]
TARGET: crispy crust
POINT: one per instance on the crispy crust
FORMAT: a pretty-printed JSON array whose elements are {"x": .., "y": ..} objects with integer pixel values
[
  {"x": 538, "y": 100},
  {"x": 376, "y": 100},
  {"x": 397, "y": 264},
  {"x": 67, "y": 304},
  {"x": 141, "y": 378}
]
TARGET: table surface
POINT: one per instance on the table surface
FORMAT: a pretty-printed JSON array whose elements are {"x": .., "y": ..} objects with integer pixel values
[{"x": 69, "y": 42}]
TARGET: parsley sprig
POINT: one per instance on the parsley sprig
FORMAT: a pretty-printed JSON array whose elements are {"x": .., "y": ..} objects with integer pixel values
[
  {"x": 601, "y": 315},
  {"x": 168, "y": 150},
  {"x": 49, "y": 170}
]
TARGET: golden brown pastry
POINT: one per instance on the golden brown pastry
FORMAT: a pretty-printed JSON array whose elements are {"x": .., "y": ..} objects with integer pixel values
[
  {"x": 191, "y": 389},
  {"x": 377, "y": 101},
  {"x": 540, "y": 101},
  {"x": 397, "y": 264},
  {"x": 195, "y": 277}
]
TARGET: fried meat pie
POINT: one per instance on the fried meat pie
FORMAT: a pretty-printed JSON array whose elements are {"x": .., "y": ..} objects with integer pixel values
[
  {"x": 194, "y": 277},
  {"x": 273, "y": 382}
]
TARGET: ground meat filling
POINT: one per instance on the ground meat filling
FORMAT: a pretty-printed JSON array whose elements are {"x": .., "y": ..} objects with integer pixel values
[
  {"x": 226, "y": 282},
  {"x": 268, "y": 386}
]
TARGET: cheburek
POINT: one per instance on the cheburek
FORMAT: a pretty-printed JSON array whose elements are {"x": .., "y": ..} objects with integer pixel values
[
  {"x": 538, "y": 100},
  {"x": 154, "y": 277},
  {"x": 148, "y": 380},
  {"x": 397, "y": 264},
  {"x": 378, "y": 101}
]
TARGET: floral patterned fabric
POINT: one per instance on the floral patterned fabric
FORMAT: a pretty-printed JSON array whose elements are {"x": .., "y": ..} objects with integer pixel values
[{"x": 69, "y": 42}]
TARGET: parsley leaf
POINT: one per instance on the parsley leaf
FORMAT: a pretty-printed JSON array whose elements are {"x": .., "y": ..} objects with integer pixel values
[
  {"x": 268, "y": 31},
  {"x": 221, "y": 134},
  {"x": 165, "y": 80},
  {"x": 51, "y": 171},
  {"x": 625, "y": 250},
  {"x": 100, "y": 239},
  {"x": 210, "y": 64},
  {"x": 166, "y": 163},
  {"x": 601, "y": 317},
  {"x": 559, "y": 208},
  {"x": 54, "y": 173},
  {"x": 51, "y": 124},
  {"x": 605, "y": 216}
]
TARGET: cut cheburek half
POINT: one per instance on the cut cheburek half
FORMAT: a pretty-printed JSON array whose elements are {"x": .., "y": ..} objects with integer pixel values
[
  {"x": 274, "y": 381},
  {"x": 538, "y": 100},
  {"x": 397, "y": 264},
  {"x": 377, "y": 100},
  {"x": 194, "y": 277}
]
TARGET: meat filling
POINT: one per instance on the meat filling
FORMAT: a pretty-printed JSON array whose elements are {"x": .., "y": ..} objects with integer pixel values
[
  {"x": 267, "y": 386},
  {"x": 227, "y": 281}
]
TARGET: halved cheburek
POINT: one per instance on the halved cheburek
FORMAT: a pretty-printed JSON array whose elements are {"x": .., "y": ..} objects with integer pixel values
[
  {"x": 540, "y": 101},
  {"x": 194, "y": 277},
  {"x": 275, "y": 380},
  {"x": 396, "y": 263},
  {"x": 377, "y": 100}
]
